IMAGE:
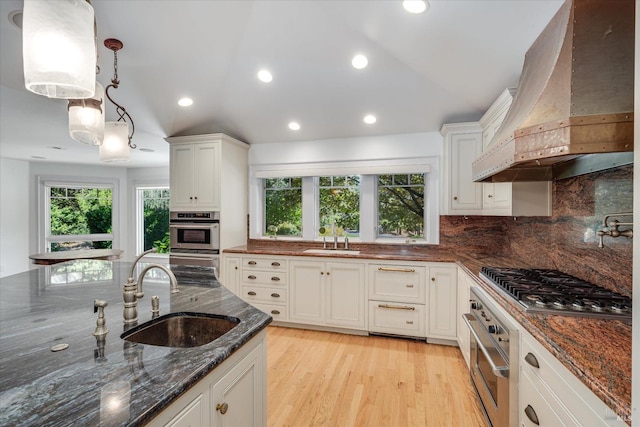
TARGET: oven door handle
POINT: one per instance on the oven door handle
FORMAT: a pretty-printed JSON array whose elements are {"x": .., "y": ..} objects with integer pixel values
[
  {"x": 194, "y": 226},
  {"x": 499, "y": 371}
]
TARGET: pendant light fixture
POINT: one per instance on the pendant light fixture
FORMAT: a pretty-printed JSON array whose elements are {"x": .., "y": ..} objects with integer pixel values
[
  {"x": 58, "y": 48},
  {"x": 117, "y": 139},
  {"x": 86, "y": 118}
]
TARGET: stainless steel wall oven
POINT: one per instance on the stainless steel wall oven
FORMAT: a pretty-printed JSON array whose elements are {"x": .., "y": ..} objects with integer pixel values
[
  {"x": 194, "y": 238},
  {"x": 493, "y": 362}
]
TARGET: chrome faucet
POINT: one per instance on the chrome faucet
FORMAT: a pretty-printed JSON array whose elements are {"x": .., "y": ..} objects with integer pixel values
[
  {"x": 611, "y": 229},
  {"x": 132, "y": 290}
]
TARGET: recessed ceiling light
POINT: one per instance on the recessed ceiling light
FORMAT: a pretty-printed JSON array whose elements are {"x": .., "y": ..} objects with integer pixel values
[
  {"x": 185, "y": 102},
  {"x": 265, "y": 76},
  {"x": 359, "y": 62},
  {"x": 415, "y": 6},
  {"x": 294, "y": 126},
  {"x": 370, "y": 119},
  {"x": 15, "y": 18}
]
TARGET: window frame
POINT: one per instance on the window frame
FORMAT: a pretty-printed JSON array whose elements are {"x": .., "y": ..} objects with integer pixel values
[
  {"x": 45, "y": 238},
  {"x": 138, "y": 190}
]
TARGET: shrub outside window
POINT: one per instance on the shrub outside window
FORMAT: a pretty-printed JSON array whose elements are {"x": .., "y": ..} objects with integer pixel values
[
  {"x": 401, "y": 206},
  {"x": 155, "y": 218},
  {"x": 339, "y": 205},
  {"x": 283, "y": 206}
]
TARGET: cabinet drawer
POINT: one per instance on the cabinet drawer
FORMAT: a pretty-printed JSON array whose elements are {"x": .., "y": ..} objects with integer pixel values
[
  {"x": 264, "y": 294},
  {"x": 277, "y": 311},
  {"x": 278, "y": 278},
  {"x": 265, "y": 263},
  {"x": 401, "y": 283},
  {"x": 539, "y": 404},
  {"x": 397, "y": 319}
]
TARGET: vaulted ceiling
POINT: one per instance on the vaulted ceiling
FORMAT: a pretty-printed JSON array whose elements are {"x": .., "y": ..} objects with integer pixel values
[{"x": 445, "y": 65}]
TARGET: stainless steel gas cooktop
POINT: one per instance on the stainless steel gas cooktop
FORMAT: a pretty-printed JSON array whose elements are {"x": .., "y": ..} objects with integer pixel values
[{"x": 555, "y": 292}]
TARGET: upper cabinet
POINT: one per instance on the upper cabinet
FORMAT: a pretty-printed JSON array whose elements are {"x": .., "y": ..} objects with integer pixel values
[
  {"x": 463, "y": 143},
  {"x": 210, "y": 173}
]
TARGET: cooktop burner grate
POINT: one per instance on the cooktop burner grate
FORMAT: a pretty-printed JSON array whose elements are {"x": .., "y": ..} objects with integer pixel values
[{"x": 552, "y": 291}]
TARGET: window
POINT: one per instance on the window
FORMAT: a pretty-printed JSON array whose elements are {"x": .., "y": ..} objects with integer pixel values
[
  {"x": 401, "y": 206},
  {"x": 78, "y": 216},
  {"x": 339, "y": 205},
  {"x": 283, "y": 206},
  {"x": 152, "y": 218}
]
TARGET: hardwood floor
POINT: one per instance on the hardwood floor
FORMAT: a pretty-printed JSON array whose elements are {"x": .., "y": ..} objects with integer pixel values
[{"x": 329, "y": 379}]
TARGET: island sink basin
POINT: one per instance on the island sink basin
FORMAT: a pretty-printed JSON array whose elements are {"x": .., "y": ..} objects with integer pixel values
[
  {"x": 332, "y": 251},
  {"x": 181, "y": 330}
]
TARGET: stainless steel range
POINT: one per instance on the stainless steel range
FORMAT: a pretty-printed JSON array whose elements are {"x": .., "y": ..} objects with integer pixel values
[{"x": 555, "y": 292}]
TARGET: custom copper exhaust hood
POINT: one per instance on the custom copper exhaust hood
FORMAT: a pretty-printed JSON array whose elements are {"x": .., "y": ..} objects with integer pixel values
[{"x": 575, "y": 98}]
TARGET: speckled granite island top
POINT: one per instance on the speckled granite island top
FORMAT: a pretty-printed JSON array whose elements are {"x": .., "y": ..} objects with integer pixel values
[
  {"x": 596, "y": 351},
  {"x": 54, "y": 305}
]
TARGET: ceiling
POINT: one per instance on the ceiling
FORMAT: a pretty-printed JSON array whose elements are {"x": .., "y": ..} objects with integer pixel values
[{"x": 445, "y": 65}]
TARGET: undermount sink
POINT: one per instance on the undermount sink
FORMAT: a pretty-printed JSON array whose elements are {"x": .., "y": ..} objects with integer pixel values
[
  {"x": 332, "y": 251},
  {"x": 181, "y": 330}
]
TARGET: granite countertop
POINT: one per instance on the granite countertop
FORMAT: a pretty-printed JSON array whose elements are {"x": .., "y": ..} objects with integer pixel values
[
  {"x": 604, "y": 368},
  {"x": 54, "y": 305}
]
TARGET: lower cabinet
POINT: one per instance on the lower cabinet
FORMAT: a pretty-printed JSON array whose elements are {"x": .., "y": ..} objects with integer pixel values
[
  {"x": 442, "y": 303},
  {"x": 234, "y": 394},
  {"x": 230, "y": 273},
  {"x": 463, "y": 335},
  {"x": 327, "y": 293}
]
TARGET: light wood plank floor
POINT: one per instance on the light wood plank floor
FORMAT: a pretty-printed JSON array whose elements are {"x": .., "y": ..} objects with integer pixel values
[{"x": 329, "y": 379}]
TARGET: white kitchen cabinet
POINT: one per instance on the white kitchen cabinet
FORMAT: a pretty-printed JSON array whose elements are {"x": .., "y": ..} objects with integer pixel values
[
  {"x": 239, "y": 382},
  {"x": 462, "y": 145},
  {"x": 397, "y": 299},
  {"x": 237, "y": 398},
  {"x": 553, "y": 395},
  {"x": 464, "y": 285},
  {"x": 328, "y": 293},
  {"x": 231, "y": 272},
  {"x": 210, "y": 173},
  {"x": 264, "y": 284},
  {"x": 442, "y": 310}
]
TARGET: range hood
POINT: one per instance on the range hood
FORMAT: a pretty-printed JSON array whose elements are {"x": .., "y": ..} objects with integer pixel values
[{"x": 575, "y": 98}]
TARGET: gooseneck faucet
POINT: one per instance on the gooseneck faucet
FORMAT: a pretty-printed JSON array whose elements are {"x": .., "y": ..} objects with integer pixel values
[
  {"x": 611, "y": 228},
  {"x": 132, "y": 290}
]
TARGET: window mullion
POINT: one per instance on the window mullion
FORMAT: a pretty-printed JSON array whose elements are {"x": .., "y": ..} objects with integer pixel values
[
  {"x": 368, "y": 208},
  {"x": 310, "y": 208}
]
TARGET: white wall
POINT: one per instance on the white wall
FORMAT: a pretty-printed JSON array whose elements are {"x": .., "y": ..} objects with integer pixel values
[{"x": 14, "y": 223}]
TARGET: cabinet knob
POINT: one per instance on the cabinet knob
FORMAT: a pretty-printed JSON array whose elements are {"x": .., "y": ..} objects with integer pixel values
[
  {"x": 328, "y": 273},
  {"x": 275, "y": 295},
  {"x": 235, "y": 268},
  {"x": 433, "y": 279},
  {"x": 531, "y": 414},
  {"x": 322, "y": 273},
  {"x": 532, "y": 360},
  {"x": 489, "y": 195},
  {"x": 222, "y": 408},
  {"x": 275, "y": 264},
  {"x": 196, "y": 197},
  {"x": 252, "y": 277},
  {"x": 190, "y": 197},
  {"x": 251, "y": 293},
  {"x": 455, "y": 197}
]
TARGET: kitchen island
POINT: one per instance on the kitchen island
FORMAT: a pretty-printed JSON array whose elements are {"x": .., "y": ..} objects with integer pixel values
[{"x": 54, "y": 306}]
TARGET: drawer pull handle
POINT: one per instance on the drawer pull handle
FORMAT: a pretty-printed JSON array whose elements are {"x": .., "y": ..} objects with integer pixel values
[
  {"x": 275, "y": 278},
  {"x": 409, "y": 322},
  {"x": 531, "y": 360},
  {"x": 274, "y": 295},
  {"x": 531, "y": 414},
  {"x": 252, "y": 263},
  {"x": 409, "y": 286},
  {"x": 222, "y": 408},
  {"x": 275, "y": 264},
  {"x": 275, "y": 312},
  {"x": 396, "y": 307},
  {"x": 397, "y": 270},
  {"x": 252, "y": 277},
  {"x": 253, "y": 294}
]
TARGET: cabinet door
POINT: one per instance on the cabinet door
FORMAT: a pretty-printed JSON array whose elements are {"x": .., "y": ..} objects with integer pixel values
[
  {"x": 497, "y": 195},
  {"x": 306, "y": 303},
  {"x": 464, "y": 287},
  {"x": 237, "y": 398},
  {"x": 206, "y": 167},
  {"x": 190, "y": 416},
  {"x": 466, "y": 195},
  {"x": 442, "y": 303},
  {"x": 345, "y": 295},
  {"x": 231, "y": 273},
  {"x": 181, "y": 176}
]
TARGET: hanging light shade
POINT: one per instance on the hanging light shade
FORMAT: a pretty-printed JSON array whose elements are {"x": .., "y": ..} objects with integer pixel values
[
  {"x": 86, "y": 118},
  {"x": 115, "y": 146},
  {"x": 58, "y": 48}
]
